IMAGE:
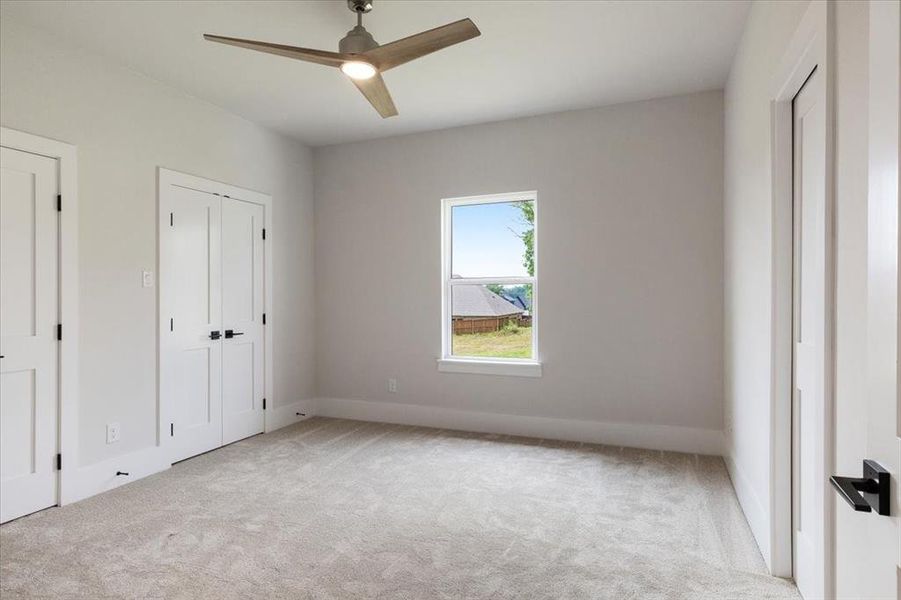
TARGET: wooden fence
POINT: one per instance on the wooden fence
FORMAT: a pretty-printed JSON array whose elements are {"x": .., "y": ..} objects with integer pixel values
[{"x": 485, "y": 324}]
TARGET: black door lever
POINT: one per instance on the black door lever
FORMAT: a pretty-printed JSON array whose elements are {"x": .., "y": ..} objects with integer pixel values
[
  {"x": 872, "y": 491},
  {"x": 215, "y": 335},
  {"x": 229, "y": 334}
]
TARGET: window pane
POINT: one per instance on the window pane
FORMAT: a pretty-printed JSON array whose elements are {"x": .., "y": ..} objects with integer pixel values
[
  {"x": 493, "y": 321},
  {"x": 493, "y": 240}
]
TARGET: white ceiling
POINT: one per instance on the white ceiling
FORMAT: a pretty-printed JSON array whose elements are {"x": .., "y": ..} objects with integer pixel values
[{"x": 532, "y": 57}]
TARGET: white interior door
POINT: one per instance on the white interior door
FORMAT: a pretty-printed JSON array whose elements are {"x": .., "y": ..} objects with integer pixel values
[
  {"x": 242, "y": 319},
  {"x": 875, "y": 565},
  {"x": 191, "y": 359},
  {"x": 29, "y": 313},
  {"x": 809, "y": 321},
  {"x": 212, "y": 305}
]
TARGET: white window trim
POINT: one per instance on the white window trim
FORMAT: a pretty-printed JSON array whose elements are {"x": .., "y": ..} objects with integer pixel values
[{"x": 448, "y": 363}]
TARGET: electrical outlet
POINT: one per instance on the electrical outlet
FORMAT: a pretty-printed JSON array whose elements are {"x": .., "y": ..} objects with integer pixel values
[
  {"x": 147, "y": 278},
  {"x": 112, "y": 433},
  {"x": 392, "y": 385}
]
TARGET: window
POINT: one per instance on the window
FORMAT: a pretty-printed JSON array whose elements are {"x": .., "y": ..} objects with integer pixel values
[{"x": 490, "y": 285}]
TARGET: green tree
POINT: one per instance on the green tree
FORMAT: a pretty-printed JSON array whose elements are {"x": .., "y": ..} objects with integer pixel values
[
  {"x": 527, "y": 209},
  {"x": 527, "y": 212},
  {"x": 528, "y": 237}
]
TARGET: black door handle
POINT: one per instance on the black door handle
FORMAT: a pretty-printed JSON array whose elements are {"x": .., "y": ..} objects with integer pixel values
[
  {"x": 215, "y": 335},
  {"x": 229, "y": 334},
  {"x": 872, "y": 491}
]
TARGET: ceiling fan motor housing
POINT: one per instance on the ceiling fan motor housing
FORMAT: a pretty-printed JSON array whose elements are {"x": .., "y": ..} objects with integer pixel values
[{"x": 357, "y": 41}]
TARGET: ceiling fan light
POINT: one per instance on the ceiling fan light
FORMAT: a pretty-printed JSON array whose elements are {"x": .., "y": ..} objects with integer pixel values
[{"x": 357, "y": 69}]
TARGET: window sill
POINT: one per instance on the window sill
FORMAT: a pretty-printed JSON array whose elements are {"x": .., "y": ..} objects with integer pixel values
[{"x": 490, "y": 367}]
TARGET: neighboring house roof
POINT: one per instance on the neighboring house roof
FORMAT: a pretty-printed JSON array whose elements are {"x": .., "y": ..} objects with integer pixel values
[
  {"x": 519, "y": 300},
  {"x": 478, "y": 301}
]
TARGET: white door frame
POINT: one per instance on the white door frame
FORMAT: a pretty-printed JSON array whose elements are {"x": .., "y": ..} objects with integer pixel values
[
  {"x": 166, "y": 178},
  {"x": 66, "y": 156},
  {"x": 811, "y": 47}
]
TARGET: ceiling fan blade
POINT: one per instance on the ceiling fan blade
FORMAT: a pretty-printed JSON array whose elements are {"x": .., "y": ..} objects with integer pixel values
[
  {"x": 377, "y": 93},
  {"x": 321, "y": 57},
  {"x": 409, "y": 48}
]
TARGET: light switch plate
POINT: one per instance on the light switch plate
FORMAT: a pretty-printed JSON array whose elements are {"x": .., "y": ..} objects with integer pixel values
[{"x": 147, "y": 278}]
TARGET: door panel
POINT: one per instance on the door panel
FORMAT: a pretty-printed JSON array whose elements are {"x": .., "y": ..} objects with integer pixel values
[
  {"x": 197, "y": 371},
  {"x": 808, "y": 398},
  {"x": 242, "y": 313},
  {"x": 17, "y": 296},
  {"x": 17, "y": 449},
  {"x": 29, "y": 296},
  {"x": 191, "y": 362}
]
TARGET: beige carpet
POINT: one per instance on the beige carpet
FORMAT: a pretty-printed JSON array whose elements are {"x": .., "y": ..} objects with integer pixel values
[{"x": 344, "y": 509}]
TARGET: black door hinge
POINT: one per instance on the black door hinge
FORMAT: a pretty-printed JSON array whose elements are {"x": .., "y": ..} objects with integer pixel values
[
  {"x": 59, "y": 203},
  {"x": 171, "y": 219},
  {"x": 59, "y": 332},
  {"x": 264, "y": 404},
  {"x": 59, "y": 462},
  {"x": 264, "y": 318},
  {"x": 171, "y": 429},
  {"x": 264, "y": 233}
]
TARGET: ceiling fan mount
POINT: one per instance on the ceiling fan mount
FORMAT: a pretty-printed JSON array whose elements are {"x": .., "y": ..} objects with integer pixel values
[
  {"x": 363, "y": 59},
  {"x": 359, "y": 6}
]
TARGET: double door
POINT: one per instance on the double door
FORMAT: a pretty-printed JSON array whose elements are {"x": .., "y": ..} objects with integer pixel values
[{"x": 212, "y": 385}]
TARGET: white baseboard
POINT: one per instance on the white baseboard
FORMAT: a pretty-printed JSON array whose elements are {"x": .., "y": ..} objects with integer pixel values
[
  {"x": 282, "y": 416},
  {"x": 755, "y": 511},
  {"x": 654, "y": 437},
  {"x": 101, "y": 477}
]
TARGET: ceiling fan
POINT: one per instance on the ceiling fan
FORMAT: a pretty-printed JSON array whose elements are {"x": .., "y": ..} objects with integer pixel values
[{"x": 362, "y": 59}]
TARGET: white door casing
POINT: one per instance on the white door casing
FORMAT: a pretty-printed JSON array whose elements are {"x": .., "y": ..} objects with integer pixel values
[
  {"x": 809, "y": 339},
  {"x": 242, "y": 314},
  {"x": 29, "y": 314}
]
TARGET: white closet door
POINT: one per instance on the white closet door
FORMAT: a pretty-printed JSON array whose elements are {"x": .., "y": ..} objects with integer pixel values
[
  {"x": 29, "y": 315},
  {"x": 242, "y": 319},
  {"x": 192, "y": 359}
]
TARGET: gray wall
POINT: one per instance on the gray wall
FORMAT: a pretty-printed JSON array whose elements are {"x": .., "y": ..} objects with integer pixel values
[
  {"x": 125, "y": 125},
  {"x": 630, "y": 228}
]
